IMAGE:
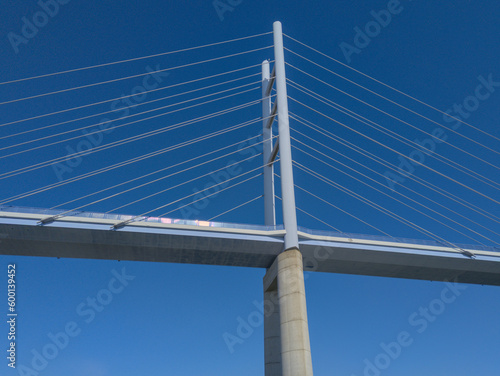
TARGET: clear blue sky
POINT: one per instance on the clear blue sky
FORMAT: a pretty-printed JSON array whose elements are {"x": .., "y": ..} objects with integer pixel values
[{"x": 171, "y": 319}]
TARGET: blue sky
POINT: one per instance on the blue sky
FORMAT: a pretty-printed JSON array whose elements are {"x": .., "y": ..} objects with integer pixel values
[{"x": 172, "y": 318}]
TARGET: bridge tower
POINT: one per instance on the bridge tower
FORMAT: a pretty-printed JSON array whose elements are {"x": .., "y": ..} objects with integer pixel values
[{"x": 286, "y": 333}]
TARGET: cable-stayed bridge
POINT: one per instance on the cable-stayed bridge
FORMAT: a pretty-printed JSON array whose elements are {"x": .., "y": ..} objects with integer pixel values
[{"x": 347, "y": 158}]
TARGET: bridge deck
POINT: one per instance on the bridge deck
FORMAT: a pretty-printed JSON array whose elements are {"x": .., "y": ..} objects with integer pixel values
[{"x": 90, "y": 237}]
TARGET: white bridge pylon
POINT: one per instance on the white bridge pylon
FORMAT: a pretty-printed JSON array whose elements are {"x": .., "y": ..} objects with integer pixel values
[{"x": 287, "y": 350}]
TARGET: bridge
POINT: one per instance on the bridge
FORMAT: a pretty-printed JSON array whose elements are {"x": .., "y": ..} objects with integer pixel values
[
  {"x": 88, "y": 235},
  {"x": 284, "y": 251}
]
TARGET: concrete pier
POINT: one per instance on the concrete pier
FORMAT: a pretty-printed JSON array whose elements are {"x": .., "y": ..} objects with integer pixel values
[
  {"x": 295, "y": 346},
  {"x": 272, "y": 333},
  {"x": 286, "y": 333}
]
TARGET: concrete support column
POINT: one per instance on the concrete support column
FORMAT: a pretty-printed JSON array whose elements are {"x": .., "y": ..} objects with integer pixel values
[
  {"x": 295, "y": 346},
  {"x": 272, "y": 323},
  {"x": 272, "y": 337}
]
